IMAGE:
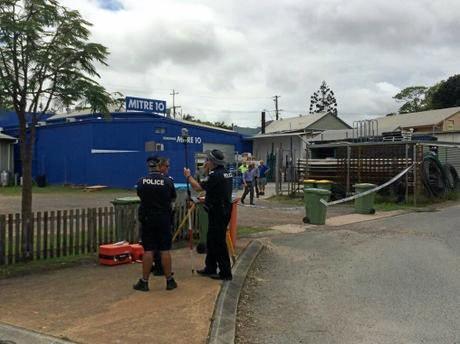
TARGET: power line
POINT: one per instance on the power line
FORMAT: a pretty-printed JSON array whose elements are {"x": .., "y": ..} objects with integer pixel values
[{"x": 184, "y": 93}]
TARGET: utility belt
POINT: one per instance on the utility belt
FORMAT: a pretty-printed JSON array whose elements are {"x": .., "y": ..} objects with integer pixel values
[
  {"x": 150, "y": 216},
  {"x": 217, "y": 207}
]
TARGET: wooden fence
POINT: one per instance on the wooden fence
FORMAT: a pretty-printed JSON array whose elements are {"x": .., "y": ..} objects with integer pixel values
[
  {"x": 71, "y": 232},
  {"x": 349, "y": 164}
]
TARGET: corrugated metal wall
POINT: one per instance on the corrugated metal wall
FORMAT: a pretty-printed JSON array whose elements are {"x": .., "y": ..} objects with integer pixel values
[{"x": 113, "y": 152}]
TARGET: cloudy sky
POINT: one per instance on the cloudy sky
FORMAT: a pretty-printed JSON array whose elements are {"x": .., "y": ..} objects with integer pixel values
[{"x": 227, "y": 59}]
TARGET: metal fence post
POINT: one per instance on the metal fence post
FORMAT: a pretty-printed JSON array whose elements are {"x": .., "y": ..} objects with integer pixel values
[
  {"x": 406, "y": 197},
  {"x": 348, "y": 168},
  {"x": 277, "y": 172},
  {"x": 415, "y": 174}
]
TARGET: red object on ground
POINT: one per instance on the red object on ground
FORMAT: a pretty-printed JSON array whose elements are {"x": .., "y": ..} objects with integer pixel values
[
  {"x": 233, "y": 223},
  {"x": 137, "y": 252},
  {"x": 115, "y": 254}
]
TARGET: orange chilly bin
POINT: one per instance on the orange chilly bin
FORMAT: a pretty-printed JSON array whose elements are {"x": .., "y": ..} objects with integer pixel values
[
  {"x": 115, "y": 254},
  {"x": 137, "y": 252}
]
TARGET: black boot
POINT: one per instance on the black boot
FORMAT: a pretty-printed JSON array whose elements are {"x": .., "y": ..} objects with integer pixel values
[
  {"x": 171, "y": 284},
  {"x": 141, "y": 285},
  {"x": 205, "y": 272}
]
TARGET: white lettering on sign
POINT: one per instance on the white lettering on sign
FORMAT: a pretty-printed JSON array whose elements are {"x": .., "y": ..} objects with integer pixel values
[
  {"x": 158, "y": 182},
  {"x": 228, "y": 175},
  {"x": 132, "y": 103},
  {"x": 190, "y": 139},
  {"x": 140, "y": 104}
]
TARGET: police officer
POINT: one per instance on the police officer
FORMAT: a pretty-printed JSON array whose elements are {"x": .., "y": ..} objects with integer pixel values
[
  {"x": 157, "y": 193},
  {"x": 218, "y": 203},
  {"x": 157, "y": 268}
]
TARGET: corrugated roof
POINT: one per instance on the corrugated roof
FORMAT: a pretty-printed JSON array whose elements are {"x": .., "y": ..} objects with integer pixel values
[
  {"x": 146, "y": 114},
  {"x": 265, "y": 136},
  {"x": 293, "y": 123},
  {"x": 333, "y": 135},
  {"x": 7, "y": 137},
  {"x": 415, "y": 119},
  {"x": 392, "y": 123}
]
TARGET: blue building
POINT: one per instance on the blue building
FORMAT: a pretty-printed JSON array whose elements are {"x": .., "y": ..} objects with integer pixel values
[{"x": 90, "y": 150}]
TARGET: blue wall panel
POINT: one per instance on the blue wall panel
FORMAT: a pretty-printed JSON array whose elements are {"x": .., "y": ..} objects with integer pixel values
[{"x": 91, "y": 151}]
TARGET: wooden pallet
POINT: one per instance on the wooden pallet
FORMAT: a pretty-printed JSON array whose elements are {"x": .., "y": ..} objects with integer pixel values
[{"x": 95, "y": 188}]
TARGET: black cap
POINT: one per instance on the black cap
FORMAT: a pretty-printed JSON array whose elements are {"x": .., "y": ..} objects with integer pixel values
[
  {"x": 216, "y": 156},
  {"x": 153, "y": 161}
]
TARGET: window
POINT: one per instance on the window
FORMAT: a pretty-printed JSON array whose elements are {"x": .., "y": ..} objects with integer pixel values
[
  {"x": 152, "y": 146},
  {"x": 160, "y": 130}
]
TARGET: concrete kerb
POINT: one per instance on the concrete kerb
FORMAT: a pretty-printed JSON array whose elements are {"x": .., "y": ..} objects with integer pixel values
[
  {"x": 223, "y": 326},
  {"x": 10, "y": 334}
]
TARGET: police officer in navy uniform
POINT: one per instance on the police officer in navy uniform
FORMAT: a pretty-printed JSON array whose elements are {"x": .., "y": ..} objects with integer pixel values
[
  {"x": 157, "y": 268},
  {"x": 218, "y": 203},
  {"x": 157, "y": 193}
]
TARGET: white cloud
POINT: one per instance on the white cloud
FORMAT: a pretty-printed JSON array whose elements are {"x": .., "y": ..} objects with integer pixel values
[{"x": 228, "y": 58}]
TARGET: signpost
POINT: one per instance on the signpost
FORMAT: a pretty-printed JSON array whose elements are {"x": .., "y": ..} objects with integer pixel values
[{"x": 146, "y": 105}]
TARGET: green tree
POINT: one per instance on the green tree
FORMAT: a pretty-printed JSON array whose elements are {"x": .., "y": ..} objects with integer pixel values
[
  {"x": 217, "y": 124},
  {"x": 45, "y": 59},
  {"x": 446, "y": 93},
  {"x": 323, "y": 100},
  {"x": 413, "y": 99}
]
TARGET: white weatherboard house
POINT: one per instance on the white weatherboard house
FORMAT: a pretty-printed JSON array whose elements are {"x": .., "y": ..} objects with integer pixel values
[
  {"x": 291, "y": 134},
  {"x": 442, "y": 123}
]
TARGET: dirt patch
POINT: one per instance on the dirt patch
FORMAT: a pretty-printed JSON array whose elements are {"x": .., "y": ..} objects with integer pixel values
[
  {"x": 55, "y": 201},
  {"x": 96, "y": 304},
  {"x": 264, "y": 214}
]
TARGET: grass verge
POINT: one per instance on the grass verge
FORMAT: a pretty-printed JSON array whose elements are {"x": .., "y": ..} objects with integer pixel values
[
  {"x": 16, "y": 190},
  {"x": 39, "y": 266},
  {"x": 292, "y": 200}
]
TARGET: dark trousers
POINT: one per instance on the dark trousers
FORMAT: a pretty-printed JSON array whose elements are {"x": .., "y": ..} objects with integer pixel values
[
  {"x": 248, "y": 189},
  {"x": 217, "y": 255},
  {"x": 256, "y": 186}
]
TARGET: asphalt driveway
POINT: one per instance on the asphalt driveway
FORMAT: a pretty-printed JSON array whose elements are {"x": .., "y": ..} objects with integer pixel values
[{"x": 395, "y": 280}]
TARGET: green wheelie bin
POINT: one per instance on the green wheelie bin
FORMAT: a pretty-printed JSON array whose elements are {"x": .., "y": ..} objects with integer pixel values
[
  {"x": 202, "y": 219},
  {"x": 325, "y": 184},
  {"x": 309, "y": 183},
  {"x": 364, "y": 204},
  {"x": 126, "y": 227},
  {"x": 314, "y": 208}
]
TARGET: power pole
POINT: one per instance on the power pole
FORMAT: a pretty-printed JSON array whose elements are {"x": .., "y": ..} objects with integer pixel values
[
  {"x": 174, "y": 102},
  {"x": 275, "y": 99}
]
